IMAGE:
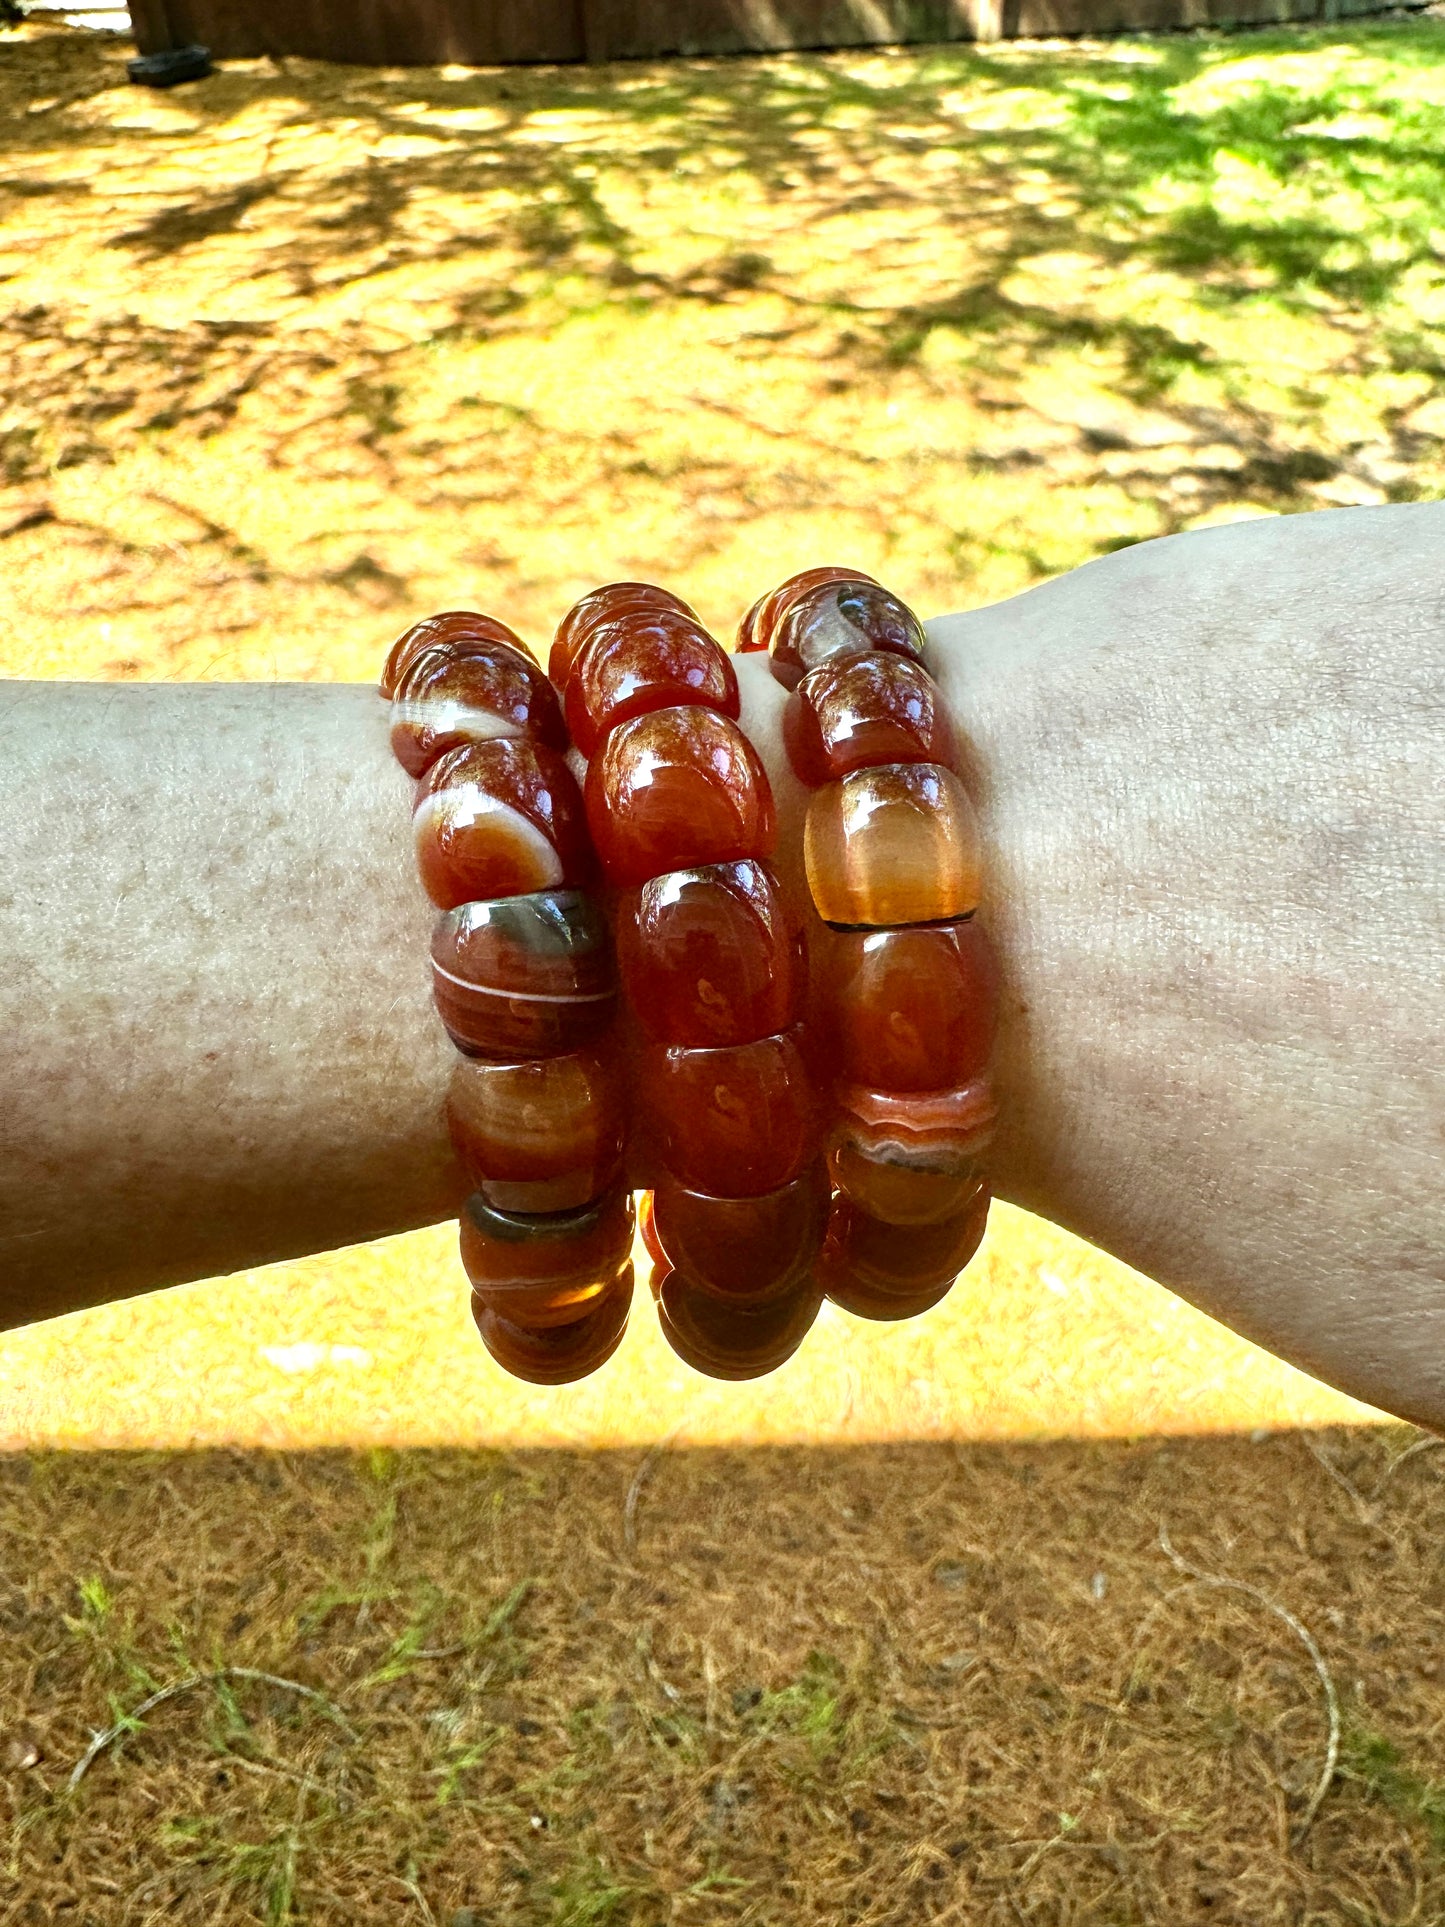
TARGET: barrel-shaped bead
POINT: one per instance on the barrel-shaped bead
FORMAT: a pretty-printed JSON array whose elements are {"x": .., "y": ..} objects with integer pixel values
[
  {"x": 836, "y": 619},
  {"x": 545, "y": 1269},
  {"x": 452, "y": 629},
  {"x": 525, "y": 976},
  {"x": 613, "y": 599},
  {"x": 471, "y": 692},
  {"x": 735, "y": 1122},
  {"x": 558, "y": 1354},
  {"x": 713, "y": 955},
  {"x": 857, "y": 712},
  {"x": 544, "y": 1135},
  {"x": 676, "y": 788},
  {"x": 746, "y": 1250},
  {"x": 756, "y": 629},
  {"x": 894, "y": 845},
  {"x": 499, "y": 819},
  {"x": 912, "y": 1009},
  {"x": 886, "y": 1271},
  {"x": 914, "y": 1159},
  {"x": 644, "y": 659},
  {"x": 725, "y": 1341}
]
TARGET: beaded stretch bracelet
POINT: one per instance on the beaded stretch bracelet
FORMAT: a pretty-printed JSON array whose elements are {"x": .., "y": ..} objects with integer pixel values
[{"x": 640, "y": 777}]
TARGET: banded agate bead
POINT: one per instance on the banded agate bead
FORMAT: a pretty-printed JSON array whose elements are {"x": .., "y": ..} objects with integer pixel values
[
  {"x": 453, "y": 629},
  {"x": 526, "y": 976},
  {"x": 499, "y": 819},
  {"x": 558, "y": 1354},
  {"x": 545, "y": 1269},
  {"x": 859, "y": 711},
  {"x": 471, "y": 693},
  {"x": 893, "y": 845},
  {"x": 746, "y": 1250},
  {"x": 713, "y": 955},
  {"x": 676, "y": 788},
  {"x": 641, "y": 660},
  {"x": 912, "y": 1009},
  {"x": 914, "y": 1159},
  {"x": 835, "y": 619},
  {"x": 602, "y": 605},
  {"x": 544, "y": 1135},
  {"x": 885, "y": 1271},
  {"x": 728, "y": 1342},
  {"x": 755, "y": 631},
  {"x": 737, "y": 1121}
]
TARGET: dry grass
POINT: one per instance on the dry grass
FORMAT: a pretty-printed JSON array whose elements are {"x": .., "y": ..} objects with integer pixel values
[{"x": 894, "y": 1685}]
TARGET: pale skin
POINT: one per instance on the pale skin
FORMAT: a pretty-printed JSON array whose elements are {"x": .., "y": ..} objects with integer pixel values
[{"x": 1211, "y": 777}]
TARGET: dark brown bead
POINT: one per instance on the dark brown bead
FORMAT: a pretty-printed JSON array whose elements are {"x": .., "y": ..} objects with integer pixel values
[
  {"x": 836, "y": 619},
  {"x": 743, "y": 1249},
  {"x": 545, "y": 1269},
  {"x": 527, "y": 976},
  {"x": 886, "y": 1271},
  {"x": 734, "y": 1122},
  {"x": 559, "y": 1354},
  {"x": 857, "y": 712},
  {"x": 757, "y": 627},
  {"x": 642, "y": 660},
  {"x": 540, "y": 1136},
  {"x": 712, "y": 956},
  {"x": 723, "y": 1341},
  {"x": 602, "y": 605},
  {"x": 913, "y": 1009},
  {"x": 453, "y": 628}
]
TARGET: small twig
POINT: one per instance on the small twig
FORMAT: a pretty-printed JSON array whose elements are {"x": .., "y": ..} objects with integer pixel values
[
  {"x": 1197, "y": 1580},
  {"x": 639, "y": 1479},
  {"x": 100, "y": 1741},
  {"x": 1421, "y": 1445},
  {"x": 409, "y": 1883},
  {"x": 1366, "y": 1510}
]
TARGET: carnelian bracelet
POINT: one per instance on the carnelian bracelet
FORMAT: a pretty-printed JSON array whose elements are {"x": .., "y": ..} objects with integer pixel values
[{"x": 625, "y": 831}]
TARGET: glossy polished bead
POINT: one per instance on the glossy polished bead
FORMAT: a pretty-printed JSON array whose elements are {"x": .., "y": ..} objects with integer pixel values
[
  {"x": 904, "y": 1184},
  {"x": 453, "y": 629},
  {"x": 893, "y": 845},
  {"x": 734, "y": 1122},
  {"x": 836, "y": 619},
  {"x": 859, "y": 711},
  {"x": 712, "y": 956},
  {"x": 755, "y": 631},
  {"x": 643, "y": 659},
  {"x": 914, "y": 1009},
  {"x": 558, "y": 1354},
  {"x": 548, "y": 1269},
  {"x": 471, "y": 693},
  {"x": 743, "y": 1249},
  {"x": 526, "y": 976},
  {"x": 545, "y": 1135},
  {"x": 961, "y": 1119},
  {"x": 499, "y": 819},
  {"x": 676, "y": 788},
  {"x": 878, "y": 1270},
  {"x": 723, "y": 1341},
  {"x": 602, "y": 605}
]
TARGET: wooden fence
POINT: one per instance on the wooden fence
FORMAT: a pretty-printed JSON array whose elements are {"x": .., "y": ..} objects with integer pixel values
[{"x": 487, "y": 33}]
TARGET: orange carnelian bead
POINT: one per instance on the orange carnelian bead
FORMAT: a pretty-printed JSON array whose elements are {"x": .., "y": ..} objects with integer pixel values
[
  {"x": 755, "y": 631},
  {"x": 544, "y": 1135},
  {"x": 714, "y": 955},
  {"x": 724, "y": 1341},
  {"x": 499, "y": 819},
  {"x": 878, "y": 1270},
  {"x": 746, "y": 1250},
  {"x": 601, "y": 605},
  {"x": 912, "y": 1009},
  {"x": 548, "y": 1269},
  {"x": 558, "y": 1354},
  {"x": 858, "y": 711},
  {"x": 471, "y": 693},
  {"x": 455, "y": 628},
  {"x": 734, "y": 1122},
  {"x": 837, "y": 619},
  {"x": 912, "y": 1159},
  {"x": 527, "y": 976},
  {"x": 645, "y": 659},
  {"x": 893, "y": 845},
  {"x": 675, "y": 788}
]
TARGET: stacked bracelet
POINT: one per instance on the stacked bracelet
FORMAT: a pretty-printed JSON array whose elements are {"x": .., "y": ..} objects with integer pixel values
[{"x": 640, "y": 778}]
